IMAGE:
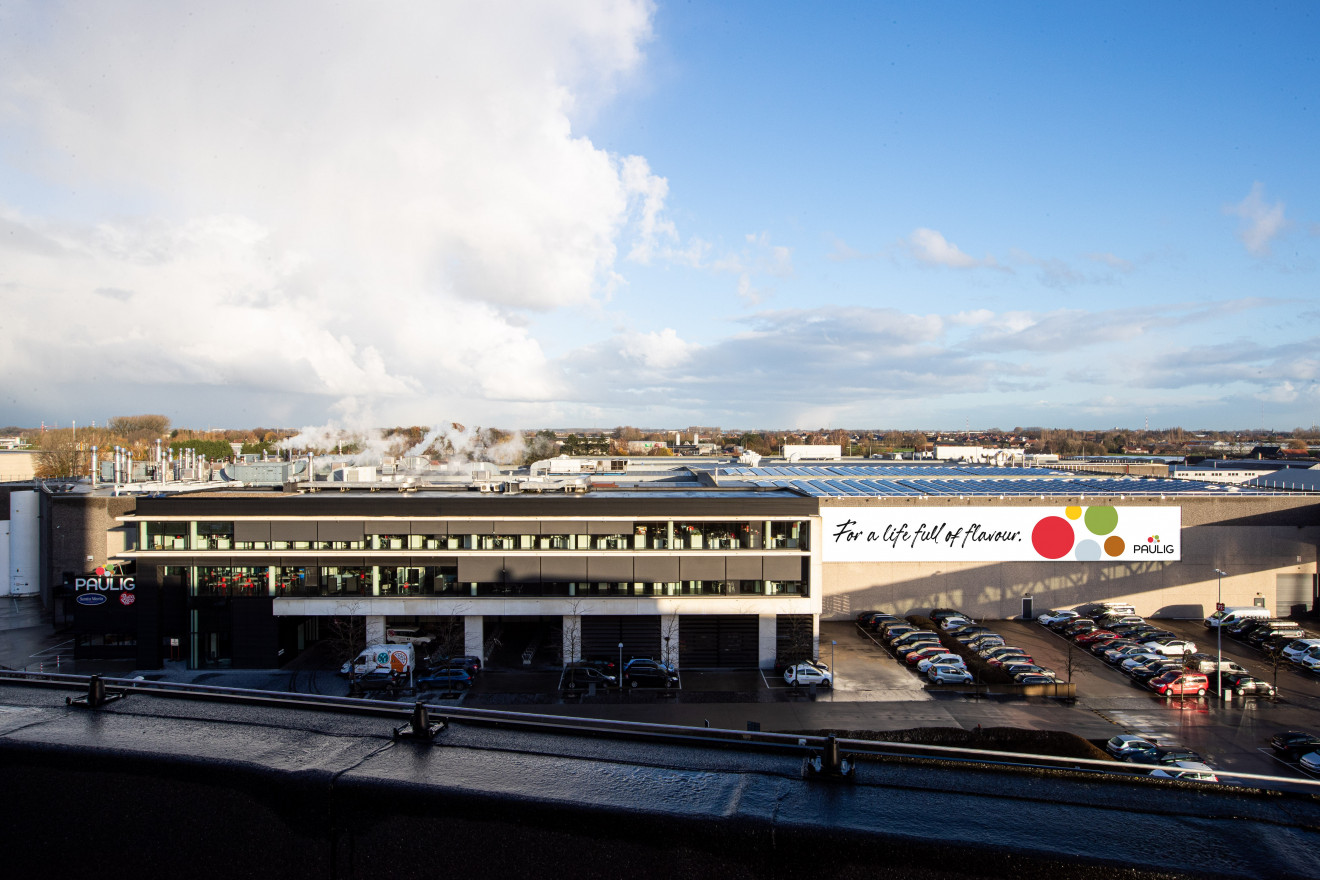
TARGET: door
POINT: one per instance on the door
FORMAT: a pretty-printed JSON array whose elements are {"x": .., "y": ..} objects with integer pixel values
[{"x": 1028, "y": 612}]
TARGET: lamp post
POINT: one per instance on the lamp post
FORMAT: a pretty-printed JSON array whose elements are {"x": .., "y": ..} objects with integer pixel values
[
  {"x": 1219, "y": 637},
  {"x": 834, "y": 672},
  {"x": 620, "y": 665}
]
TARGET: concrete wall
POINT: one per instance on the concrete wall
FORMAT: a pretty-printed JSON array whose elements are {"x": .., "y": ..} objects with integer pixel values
[{"x": 1253, "y": 539}]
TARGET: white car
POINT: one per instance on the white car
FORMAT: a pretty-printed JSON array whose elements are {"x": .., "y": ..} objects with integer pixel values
[
  {"x": 408, "y": 635},
  {"x": 947, "y": 673},
  {"x": 1310, "y": 661},
  {"x": 806, "y": 674},
  {"x": 1311, "y": 761},
  {"x": 1187, "y": 770},
  {"x": 941, "y": 660},
  {"x": 1050, "y": 617},
  {"x": 1171, "y": 647},
  {"x": 951, "y": 622},
  {"x": 1298, "y": 647}
]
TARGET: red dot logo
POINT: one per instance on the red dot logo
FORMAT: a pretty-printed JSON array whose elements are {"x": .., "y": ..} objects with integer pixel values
[{"x": 1052, "y": 537}]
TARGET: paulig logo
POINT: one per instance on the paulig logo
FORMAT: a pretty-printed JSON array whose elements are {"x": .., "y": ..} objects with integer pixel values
[{"x": 1153, "y": 547}]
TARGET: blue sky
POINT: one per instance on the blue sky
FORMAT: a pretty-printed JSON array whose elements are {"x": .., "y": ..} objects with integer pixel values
[{"x": 735, "y": 214}]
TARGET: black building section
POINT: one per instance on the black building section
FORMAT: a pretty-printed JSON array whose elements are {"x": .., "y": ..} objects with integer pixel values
[
  {"x": 719, "y": 640},
  {"x": 602, "y": 634},
  {"x": 707, "y": 503}
]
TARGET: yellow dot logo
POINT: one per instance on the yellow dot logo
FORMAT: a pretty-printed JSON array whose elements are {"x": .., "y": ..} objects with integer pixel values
[{"x": 1073, "y": 512}]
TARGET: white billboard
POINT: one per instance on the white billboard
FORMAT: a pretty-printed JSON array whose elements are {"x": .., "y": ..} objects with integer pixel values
[{"x": 1100, "y": 533}]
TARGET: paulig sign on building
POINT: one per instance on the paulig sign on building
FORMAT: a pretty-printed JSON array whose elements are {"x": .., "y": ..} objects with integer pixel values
[
  {"x": 1099, "y": 533},
  {"x": 96, "y": 588}
]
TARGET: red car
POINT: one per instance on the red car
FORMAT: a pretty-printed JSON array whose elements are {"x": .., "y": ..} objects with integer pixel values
[
  {"x": 1094, "y": 635},
  {"x": 1175, "y": 683},
  {"x": 915, "y": 657}
]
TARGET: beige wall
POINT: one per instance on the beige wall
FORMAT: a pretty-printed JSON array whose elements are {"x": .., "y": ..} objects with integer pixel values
[{"x": 1253, "y": 539}]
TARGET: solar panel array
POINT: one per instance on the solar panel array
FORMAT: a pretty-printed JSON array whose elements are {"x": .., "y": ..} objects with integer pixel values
[{"x": 962, "y": 481}]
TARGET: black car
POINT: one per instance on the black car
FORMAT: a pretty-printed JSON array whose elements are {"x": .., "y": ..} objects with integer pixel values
[
  {"x": 600, "y": 664},
  {"x": 585, "y": 676},
  {"x": 1166, "y": 755},
  {"x": 648, "y": 674},
  {"x": 1292, "y": 744},
  {"x": 1244, "y": 684},
  {"x": 1146, "y": 671}
]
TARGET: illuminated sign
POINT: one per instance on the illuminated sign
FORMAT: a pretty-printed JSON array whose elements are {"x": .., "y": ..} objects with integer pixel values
[{"x": 1099, "y": 533}]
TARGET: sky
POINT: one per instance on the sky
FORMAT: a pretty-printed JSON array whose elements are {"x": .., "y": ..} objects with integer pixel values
[{"x": 591, "y": 214}]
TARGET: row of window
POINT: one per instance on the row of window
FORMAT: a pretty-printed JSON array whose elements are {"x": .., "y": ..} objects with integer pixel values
[
  {"x": 760, "y": 535},
  {"x": 436, "y": 581}
]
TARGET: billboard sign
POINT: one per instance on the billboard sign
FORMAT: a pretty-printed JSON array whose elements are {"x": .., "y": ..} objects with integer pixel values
[{"x": 1100, "y": 533}]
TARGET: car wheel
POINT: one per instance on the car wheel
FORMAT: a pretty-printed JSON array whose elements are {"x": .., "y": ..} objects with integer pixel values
[
  {"x": 571, "y": 685},
  {"x": 1241, "y": 692},
  {"x": 1201, "y": 692},
  {"x": 633, "y": 683}
]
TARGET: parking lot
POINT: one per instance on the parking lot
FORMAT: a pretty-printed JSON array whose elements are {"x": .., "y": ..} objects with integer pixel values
[{"x": 873, "y": 691}]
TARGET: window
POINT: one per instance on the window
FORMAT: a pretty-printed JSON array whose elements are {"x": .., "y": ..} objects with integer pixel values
[
  {"x": 167, "y": 536},
  {"x": 215, "y": 536}
]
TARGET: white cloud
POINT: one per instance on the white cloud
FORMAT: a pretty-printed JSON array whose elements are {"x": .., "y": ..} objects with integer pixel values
[
  {"x": 356, "y": 212},
  {"x": 932, "y": 248},
  {"x": 1261, "y": 222}
]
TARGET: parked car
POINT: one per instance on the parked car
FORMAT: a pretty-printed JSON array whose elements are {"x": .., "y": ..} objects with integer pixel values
[
  {"x": 1072, "y": 627},
  {"x": 585, "y": 676},
  {"x": 1093, "y": 636},
  {"x": 940, "y": 660},
  {"x": 949, "y": 623},
  {"x": 984, "y": 641},
  {"x": 1132, "y": 661},
  {"x": 1145, "y": 672},
  {"x": 1172, "y": 647},
  {"x": 1297, "y": 647},
  {"x": 650, "y": 673},
  {"x": 453, "y": 678},
  {"x": 1056, "y": 616},
  {"x": 920, "y": 635},
  {"x": 1310, "y": 761},
  {"x": 1000, "y": 660},
  {"x": 1019, "y": 668},
  {"x": 806, "y": 674},
  {"x": 941, "y": 614},
  {"x": 1292, "y": 744},
  {"x": 1194, "y": 770},
  {"x": 1309, "y": 662},
  {"x": 408, "y": 635},
  {"x": 1243, "y": 685},
  {"x": 1164, "y": 755},
  {"x": 946, "y": 673},
  {"x": 1032, "y": 678},
  {"x": 1175, "y": 683},
  {"x": 915, "y": 657},
  {"x": 1125, "y": 745},
  {"x": 1207, "y": 663}
]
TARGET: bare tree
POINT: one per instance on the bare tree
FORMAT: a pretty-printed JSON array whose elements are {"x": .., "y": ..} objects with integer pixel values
[
  {"x": 450, "y": 633},
  {"x": 669, "y": 634},
  {"x": 572, "y": 638}
]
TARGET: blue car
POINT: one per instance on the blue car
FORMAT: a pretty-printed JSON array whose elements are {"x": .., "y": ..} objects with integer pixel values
[{"x": 446, "y": 679}]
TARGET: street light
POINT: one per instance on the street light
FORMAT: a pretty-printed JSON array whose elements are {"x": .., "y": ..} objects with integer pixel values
[
  {"x": 1219, "y": 637},
  {"x": 834, "y": 672},
  {"x": 620, "y": 665}
]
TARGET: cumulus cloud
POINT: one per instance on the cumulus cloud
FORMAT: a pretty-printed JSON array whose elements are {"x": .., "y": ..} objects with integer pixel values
[
  {"x": 363, "y": 210},
  {"x": 933, "y": 249},
  {"x": 1261, "y": 222}
]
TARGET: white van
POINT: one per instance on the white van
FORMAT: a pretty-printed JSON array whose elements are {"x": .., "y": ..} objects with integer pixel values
[
  {"x": 1229, "y": 616},
  {"x": 381, "y": 660}
]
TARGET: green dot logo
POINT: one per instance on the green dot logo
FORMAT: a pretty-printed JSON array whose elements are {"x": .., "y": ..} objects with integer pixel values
[{"x": 1100, "y": 520}]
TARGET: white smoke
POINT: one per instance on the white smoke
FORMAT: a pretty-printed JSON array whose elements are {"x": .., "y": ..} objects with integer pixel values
[{"x": 450, "y": 442}]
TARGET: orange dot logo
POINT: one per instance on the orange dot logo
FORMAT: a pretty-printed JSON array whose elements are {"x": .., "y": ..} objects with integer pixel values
[{"x": 1114, "y": 545}]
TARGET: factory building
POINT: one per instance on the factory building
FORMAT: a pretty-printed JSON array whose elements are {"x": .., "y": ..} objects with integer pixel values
[{"x": 699, "y": 563}]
